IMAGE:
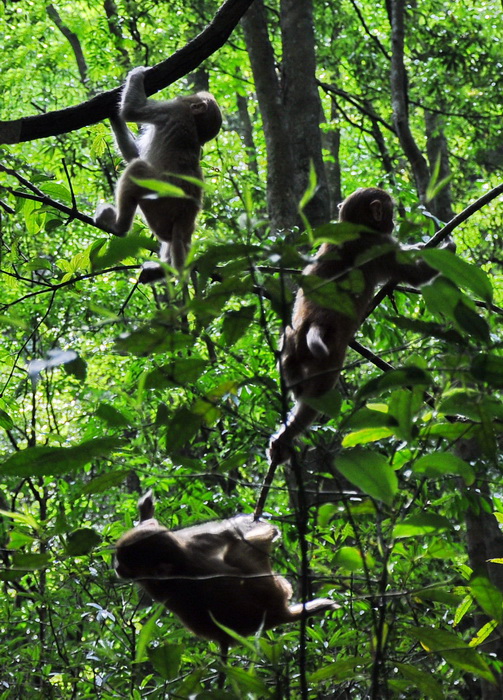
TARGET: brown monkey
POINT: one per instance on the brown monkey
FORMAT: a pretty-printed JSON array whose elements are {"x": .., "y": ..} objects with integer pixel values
[
  {"x": 219, "y": 571},
  {"x": 315, "y": 344},
  {"x": 169, "y": 145}
]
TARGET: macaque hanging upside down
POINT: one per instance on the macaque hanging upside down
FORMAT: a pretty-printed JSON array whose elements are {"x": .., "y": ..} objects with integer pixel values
[
  {"x": 219, "y": 571},
  {"x": 169, "y": 145},
  {"x": 315, "y": 344}
]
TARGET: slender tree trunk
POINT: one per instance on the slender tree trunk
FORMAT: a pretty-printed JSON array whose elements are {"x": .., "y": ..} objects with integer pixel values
[
  {"x": 303, "y": 105},
  {"x": 280, "y": 192}
]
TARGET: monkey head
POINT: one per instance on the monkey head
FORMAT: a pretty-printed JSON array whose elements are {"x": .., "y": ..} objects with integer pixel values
[
  {"x": 206, "y": 113},
  {"x": 148, "y": 550},
  {"x": 369, "y": 206}
]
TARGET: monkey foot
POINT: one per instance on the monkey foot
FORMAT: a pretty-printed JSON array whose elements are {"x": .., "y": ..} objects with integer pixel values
[{"x": 151, "y": 272}]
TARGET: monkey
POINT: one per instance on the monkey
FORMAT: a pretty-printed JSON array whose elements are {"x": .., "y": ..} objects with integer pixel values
[
  {"x": 314, "y": 345},
  {"x": 170, "y": 145},
  {"x": 217, "y": 572}
]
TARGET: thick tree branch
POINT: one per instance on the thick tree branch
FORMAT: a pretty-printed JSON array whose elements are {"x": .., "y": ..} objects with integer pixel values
[{"x": 160, "y": 76}]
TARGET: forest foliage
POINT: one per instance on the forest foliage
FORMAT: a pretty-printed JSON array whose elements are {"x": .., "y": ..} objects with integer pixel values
[{"x": 393, "y": 503}]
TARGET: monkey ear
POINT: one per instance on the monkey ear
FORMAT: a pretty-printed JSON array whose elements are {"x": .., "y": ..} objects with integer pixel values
[
  {"x": 146, "y": 506},
  {"x": 376, "y": 209},
  {"x": 199, "y": 107}
]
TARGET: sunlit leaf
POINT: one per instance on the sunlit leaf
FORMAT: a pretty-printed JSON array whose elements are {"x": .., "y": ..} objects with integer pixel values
[{"x": 370, "y": 472}]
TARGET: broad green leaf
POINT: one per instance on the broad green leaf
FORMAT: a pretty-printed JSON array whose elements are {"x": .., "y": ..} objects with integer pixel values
[
  {"x": 422, "y": 681},
  {"x": 30, "y": 562},
  {"x": 22, "y": 518},
  {"x": 55, "y": 461},
  {"x": 236, "y": 323},
  {"x": 105, "y": 482},
  {"x": 471, "y": 322},
  {"x": 441, "y": 463},
  {"x": 329, "y": 404},
  {"x": 349, "y": 558},
  {"x": 151, "y": 340},
  {"x": 460, "y": 272},
  {"x": 181, "y": 429},
  {"x": 181, "y": 371},
  {"x": 160, "y": 188},
  {"x": 117, "y": 249},
  {"x": 471, "y": 404},
  {"x": 248, "y": 681},
  {"x": 488, "y": 597},
  {"x": 76, "y": 368},
  {"x": 147, "y": 633},
  {"x": 402, "y": 377},
  {"x": 166, "y": 659},
  {"x": 488, "y": 368},
  {"x": 421, "y": 524},
  {"x": 6, "y": 421},
  {"x": 328, "y": 294},
  {"x": 82, "y": 541},
  {"x": 339, "y": 671},
  {"x": 370, "y": 472},
  {"x": 366, "y": 435},
  {"x": 112, "y": 416}
]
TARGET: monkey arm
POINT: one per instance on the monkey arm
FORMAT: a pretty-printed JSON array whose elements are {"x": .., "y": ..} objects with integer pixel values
[
  {"x": 125, "y": 140},
  {"x": 135, "y": 106}
]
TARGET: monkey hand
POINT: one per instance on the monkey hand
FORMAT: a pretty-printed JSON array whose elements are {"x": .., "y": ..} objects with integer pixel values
[{"x": 137, "y": 73}]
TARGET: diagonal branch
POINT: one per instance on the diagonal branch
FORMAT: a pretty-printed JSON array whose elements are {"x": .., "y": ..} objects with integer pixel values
[{"x": 212, "y": 38}]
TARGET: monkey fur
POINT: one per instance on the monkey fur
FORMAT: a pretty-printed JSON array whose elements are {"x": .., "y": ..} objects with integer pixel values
[
  {"x": 170, "y": 145},
  {"x": 314, "y": 345},
  {"x": 219, "y": 571}
]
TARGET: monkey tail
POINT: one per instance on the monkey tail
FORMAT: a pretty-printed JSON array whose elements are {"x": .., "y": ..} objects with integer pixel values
[{"x": 316, "y": 344}]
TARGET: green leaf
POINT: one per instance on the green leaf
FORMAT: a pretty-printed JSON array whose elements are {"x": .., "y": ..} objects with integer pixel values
[
  {"x": 488, "y": 597},
  {"x": 349, "y": 558},
  {"x": 117, "y": 249},
  {"x": 6, "y": 421},
  {"x": 471, "y": 322},
  {"x": 82, "y": 541},
  {"x": 147, "y": 633},
  {"x": 161, "y": 188},
  {"x": 463, "y": 274},
  {"x": 366, "y": 435},
  {"x": 104, "y": 482},
  {"x": 370, "y": 472},
  {"x": 166, "y": 659},
  {"x": 421, "y": 524},
  {"x": 112, "y": 417},
  {"x": 178, "y": 372},
  {"x": 55, "y": 461},
  {"x": 422, "y": 681},
  {"x": 151, "y": 340},
  {"x": 488, "y": 368},
  {"x": 328, "y": 294},
  {"x": 247, "y": 681},
  {"x": 402, "y": 377},
  {"x": 329, "y": 404},
  {"x": 236, "y": 323},
  {"x": 181, "y": 429},
  {"x": 440, "y": 464},
  {"x": 76, "y": 368},
  {"x": 339, "y": 671},
  {"x": 30, "y": 562}
]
